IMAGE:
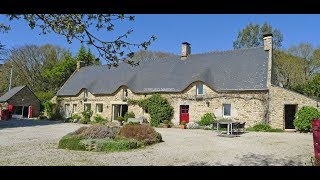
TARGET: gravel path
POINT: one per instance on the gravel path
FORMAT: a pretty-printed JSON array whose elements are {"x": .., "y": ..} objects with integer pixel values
[{"x": 36, "y": 144}]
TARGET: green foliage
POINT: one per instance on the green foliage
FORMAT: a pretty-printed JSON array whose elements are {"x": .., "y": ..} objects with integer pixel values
[
  {"x": 133, "y": 123},
  {"x": 60, "y": 73},
  {"x": 71, "y": 142},
  {"x": 166, "y": 122},
  {"x": 157, "y": 106},
  {"x": 303, "y": 118},
  {"x": 84, "y": 121},
  {"x": 75, "y": 116},
  {"x": 183, "y": 122},
  {"x": 52, "y": 110},
  {"x": 120, "y": 118},
  {"x": 86, "y": 116},
  {"x": 120, "y": 145},
  {"x": 87, "y": 57},
  {"x": 312, "y": 88},
  {"x": 99, "y": 119},
  {"x": 207, "y": 119},
  {"x": 263, "y": 128},
  {"x": 129, "y": 115},
  {"x": 252, "y": 36}
]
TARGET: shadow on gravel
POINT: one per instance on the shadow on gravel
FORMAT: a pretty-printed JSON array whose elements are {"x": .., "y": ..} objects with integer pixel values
[
  {"x": 253, "y": 160},
  {"x": 26, "y": 123}
]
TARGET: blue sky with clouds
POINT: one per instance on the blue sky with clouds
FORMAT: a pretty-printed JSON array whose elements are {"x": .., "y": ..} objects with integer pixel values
[{"x": 205, "y": 32}]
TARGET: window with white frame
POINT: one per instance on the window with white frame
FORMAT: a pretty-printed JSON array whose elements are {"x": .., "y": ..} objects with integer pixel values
[
  {"x": 85, "y": 93},
  {"x": 74, "y": 108},
  {"x": 87, "y": 107},
  {"x": 125, "y": 93},
  {"x": 226, "y": 110},
  {"x": 99, "y": 108},
  {"x": 200, "y": 89}
]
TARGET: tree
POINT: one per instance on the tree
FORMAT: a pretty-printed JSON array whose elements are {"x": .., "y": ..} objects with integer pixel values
[
  {"x": 313, "y": 87},
  {"x": 288, "y": 69},
  {"x": 87, "y": 57},
  {"x": 29, "y": 64},
  {"x": 310, "y": 56},
  {"x": 252, "y": 36},
  {"x": 79, "y": 27}
]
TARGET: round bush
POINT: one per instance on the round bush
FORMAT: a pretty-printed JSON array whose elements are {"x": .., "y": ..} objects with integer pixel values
[
  {"x": 207, "y": 119},
  {"x": 303, "y": 118}
]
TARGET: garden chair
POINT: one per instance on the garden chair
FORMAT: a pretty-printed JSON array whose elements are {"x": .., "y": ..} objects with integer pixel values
[{"x": 241, "y": 127}]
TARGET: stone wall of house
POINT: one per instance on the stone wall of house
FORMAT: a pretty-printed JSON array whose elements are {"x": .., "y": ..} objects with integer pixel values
[
  {"x": 249, "y": 106},
  {"x": 280, "y": 97},
  {"x": 25, "y": 97}
]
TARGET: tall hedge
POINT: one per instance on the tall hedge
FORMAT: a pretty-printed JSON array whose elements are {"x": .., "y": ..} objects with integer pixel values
[
  {"x": 157, "y": 106},
  {"x": 303, "y": 118}
]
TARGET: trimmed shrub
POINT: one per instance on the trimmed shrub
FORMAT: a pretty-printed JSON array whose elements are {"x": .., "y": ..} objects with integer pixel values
[
  {"x": 75, "y": 116},
  {"x": 303, "y": 118},
  {"x": 71, "y": 142},
  {"x": 133, "y": 123},
  {"x": 263, "y": 127},
  {"x": 207, "y": 119},
  {"x": 99, "y": 119},
  {"x": 84, "y": 121},
  {"x": 142, "y": 132},
  {"x": 157, "y": 106},
  {"x": 96, "y": 132},
  {"x": 128, "y": 115}
]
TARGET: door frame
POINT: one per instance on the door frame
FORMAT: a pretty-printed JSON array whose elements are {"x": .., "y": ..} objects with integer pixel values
[
  {"x": 180, "y": 109},
  {"x": 284, "y": 115},
  {"x": 120, "y": 109}
]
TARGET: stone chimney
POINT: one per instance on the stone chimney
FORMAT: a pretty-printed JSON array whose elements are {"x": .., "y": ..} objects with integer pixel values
[
  {"x": 185, "y": 50},
  {"x": 268, "y": 46},
  {"x": 80, "y": 64}
]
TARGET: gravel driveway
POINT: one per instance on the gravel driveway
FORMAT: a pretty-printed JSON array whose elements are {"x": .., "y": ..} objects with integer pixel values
[{"x": 35, "y": 143}]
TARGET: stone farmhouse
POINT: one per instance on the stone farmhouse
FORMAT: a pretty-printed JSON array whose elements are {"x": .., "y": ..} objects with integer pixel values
[{"x": 234, "y": 84}]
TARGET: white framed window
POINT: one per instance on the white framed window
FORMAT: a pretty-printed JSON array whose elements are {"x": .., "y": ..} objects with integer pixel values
[
  {"x": 87, "y": 107},
  {"x": 200, "y": 89},
  {"x": 74, "y": 108},
  {"x": 85, "y": 93},
  {"x": 226, "y": 110},
  {"x": 99, "y": 108},
  {"x": 125, "y": 93}
]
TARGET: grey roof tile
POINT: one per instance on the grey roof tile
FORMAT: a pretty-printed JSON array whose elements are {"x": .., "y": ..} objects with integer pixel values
[
  {"x": 243, "y": 69},
  {"x": 10, "y": 93}
]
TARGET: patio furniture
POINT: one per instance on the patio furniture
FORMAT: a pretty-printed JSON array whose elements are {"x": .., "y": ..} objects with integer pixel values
[
  {"x": 241, "y": 127},
  {"x": 229, "y": 125}
]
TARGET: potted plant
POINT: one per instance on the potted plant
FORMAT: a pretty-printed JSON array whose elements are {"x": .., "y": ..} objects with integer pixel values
[
  {"x": 166, "y": 124},
  {"x": 183, "y": 124},
  {"x": 120, "y": 119}
]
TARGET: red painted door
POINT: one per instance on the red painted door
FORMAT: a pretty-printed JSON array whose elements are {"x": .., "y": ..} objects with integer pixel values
[
  {"x": 184, "y": 113},
  {"x": 10, "y": 108},
  {"x": 30, "y": 112}
]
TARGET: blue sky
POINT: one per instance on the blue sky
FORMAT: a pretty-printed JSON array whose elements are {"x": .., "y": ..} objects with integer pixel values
[{"x": 205, "y": 32}]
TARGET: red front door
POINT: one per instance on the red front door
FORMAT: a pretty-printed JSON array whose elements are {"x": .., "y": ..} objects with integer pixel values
[{"x": 184, "y": 113}]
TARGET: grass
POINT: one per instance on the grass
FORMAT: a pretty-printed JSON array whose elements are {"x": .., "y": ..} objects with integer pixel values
[
  {"x": 262, "y": 127},
  {"x": 71, "y": 142},
  {"x": 120, "y": 145}
]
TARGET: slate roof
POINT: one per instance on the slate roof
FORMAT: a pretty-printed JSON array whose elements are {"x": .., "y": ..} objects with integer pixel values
[
  {"x": 10, "y": 93},
  {"x": 234, "y": 70}
]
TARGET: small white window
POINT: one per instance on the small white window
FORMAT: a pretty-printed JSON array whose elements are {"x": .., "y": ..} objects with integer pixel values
[
  {"x": 199, "y": 89},
  {"x": 125, "y": 93},
  {"x": 85, "y": 93},
  {"x": 87, "y": 107},
  {"x": 75, "y": 108},
  {"x": 227, "y": 110},
  {"x": 99, "y": 108}
]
